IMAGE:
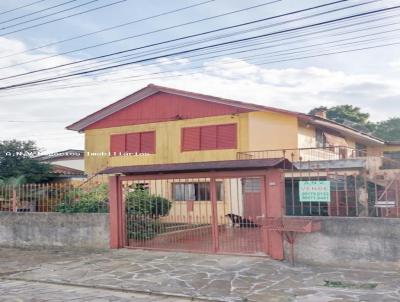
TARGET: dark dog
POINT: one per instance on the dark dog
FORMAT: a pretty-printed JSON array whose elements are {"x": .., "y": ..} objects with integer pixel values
[{"x": 241, "y": 222}]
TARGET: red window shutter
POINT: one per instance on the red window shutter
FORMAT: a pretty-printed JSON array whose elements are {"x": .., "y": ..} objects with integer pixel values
[
  {"x": 227, "y": 136},
  {"x": 117, "y": 144},
  {"x": 133, "y": 142},
  {"x": 190, "y": 139},
  {"x": 148, "y": 142},
  {"x": 208, "y": 138}
]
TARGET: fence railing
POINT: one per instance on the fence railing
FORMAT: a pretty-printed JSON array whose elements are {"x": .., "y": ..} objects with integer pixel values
[
  {"x": 311, "y": 155},
  {"x": 54, "y": 197},
  {"x": 307, "y": 154}
]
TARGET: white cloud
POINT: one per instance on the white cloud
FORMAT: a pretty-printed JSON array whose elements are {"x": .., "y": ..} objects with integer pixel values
[{"x": 298, "y": 89}]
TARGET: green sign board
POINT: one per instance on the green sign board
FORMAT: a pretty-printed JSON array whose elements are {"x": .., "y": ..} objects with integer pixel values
[{"x": 315, "y": 191}]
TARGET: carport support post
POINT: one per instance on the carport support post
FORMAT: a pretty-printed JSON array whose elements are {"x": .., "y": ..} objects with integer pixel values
[
  {"x": 274, "y": 187},
  {"x": 116, "y": 213},
  {"x": 214, "y": 214}
]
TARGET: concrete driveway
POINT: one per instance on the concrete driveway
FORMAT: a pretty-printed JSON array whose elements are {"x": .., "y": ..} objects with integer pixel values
[{"x": 131, "y": 275}]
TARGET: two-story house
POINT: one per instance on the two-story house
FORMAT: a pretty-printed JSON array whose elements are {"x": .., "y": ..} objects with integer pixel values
[
  {"x": 166, "y": 125},
  {"x": 159, "y": 129}
]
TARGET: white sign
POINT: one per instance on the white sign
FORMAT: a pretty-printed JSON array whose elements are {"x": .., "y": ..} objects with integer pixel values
[
  {"x": 315, "y": 191},
  {"x": 385, "y": 204}
]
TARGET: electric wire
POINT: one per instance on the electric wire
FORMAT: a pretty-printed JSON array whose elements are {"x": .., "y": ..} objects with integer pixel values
[{"x": 195, "y": 49}]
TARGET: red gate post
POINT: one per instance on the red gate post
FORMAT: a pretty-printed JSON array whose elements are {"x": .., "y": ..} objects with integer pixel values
[
  {"x": 214, "y": 214},
  {"x": 263, "y": 200},
  {"x": 116, "y": 213},
  {"x": 275, "y": 186}
]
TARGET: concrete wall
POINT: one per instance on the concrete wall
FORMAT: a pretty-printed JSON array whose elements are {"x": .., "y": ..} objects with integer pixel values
[
  {"x": 74, "y": 231},
  {"x": 353, "y": 241}
]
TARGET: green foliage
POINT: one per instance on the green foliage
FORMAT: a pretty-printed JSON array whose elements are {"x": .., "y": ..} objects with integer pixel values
[
  {"x": 348, "y": 115},
  {"x": 143, "y": 227},
  {"x": 143, "y": 210},
  {"x": 388, "y": 130},
  {"x": 80, "y": 200},
  {"x": 16, "y": 160},
  {"x": 141, "y": 202},
  {"x": 352, "y": 116},
  {"x": 13, "y": 181}
]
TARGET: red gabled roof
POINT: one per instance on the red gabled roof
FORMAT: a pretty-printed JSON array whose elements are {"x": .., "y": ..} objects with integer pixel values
[{"x": 153, "y": 89}]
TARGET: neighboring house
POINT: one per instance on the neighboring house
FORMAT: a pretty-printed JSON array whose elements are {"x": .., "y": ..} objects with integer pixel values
[
  {"x": 68, "y": 165},
  {"x": 392, "y": 150},
  {"x": 164, "y": 125}
]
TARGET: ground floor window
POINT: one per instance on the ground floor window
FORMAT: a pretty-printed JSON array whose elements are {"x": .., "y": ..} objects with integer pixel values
[{"x": 198, "y": 191}]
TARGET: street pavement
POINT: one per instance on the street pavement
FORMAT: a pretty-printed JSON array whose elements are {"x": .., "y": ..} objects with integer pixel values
[{"x": 136, "y": 275}]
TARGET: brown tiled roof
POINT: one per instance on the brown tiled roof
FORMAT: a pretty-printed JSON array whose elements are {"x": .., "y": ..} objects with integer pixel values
[{"x": 223, "y": 165}]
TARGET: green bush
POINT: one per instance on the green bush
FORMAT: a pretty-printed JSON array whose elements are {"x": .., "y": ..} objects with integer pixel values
[
  {"x": 143, "y": 211},
  {"x": 80, "y": 200},
  {"x": 141, "y": 202}
]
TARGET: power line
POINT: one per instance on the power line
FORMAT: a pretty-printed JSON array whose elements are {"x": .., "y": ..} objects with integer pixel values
[
  {"x": 173, "y": 47},
  {"x": 111, "y": 28},
  {"x": 146, "y": 33},
  {"x": 196, "y": 49},
  {"x": 36, "y": 12},
  {"x": 23, "y": 6},
  {"x": 272, "y": 45},
  {"x": 62, "y": 18},
  {"x": 297, "y": 36},
  {"x": 282, "y": 52},
  {"x": 175, "y": 40},
  {"x": 253, "y": 63}
]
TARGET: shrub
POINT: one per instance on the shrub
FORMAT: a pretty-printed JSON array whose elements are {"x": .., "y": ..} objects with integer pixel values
[
  {"x": 141, "y": 202},
  {"x": 143, "y": 210},
  {"x": 80, "y": 200}
]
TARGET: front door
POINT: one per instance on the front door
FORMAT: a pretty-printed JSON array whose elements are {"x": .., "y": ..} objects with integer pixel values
[{"x": 251, "y": 198}]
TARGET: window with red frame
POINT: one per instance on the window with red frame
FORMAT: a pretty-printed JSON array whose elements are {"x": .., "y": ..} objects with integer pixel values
[
  {"x": 209, "y": 137},
  {"x": 138, "y": 142}
]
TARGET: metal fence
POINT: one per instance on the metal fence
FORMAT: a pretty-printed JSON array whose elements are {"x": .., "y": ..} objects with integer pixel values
[
  {"x": 178, "y": 214},
  {"x": 350, "y": 182},
  {"x": 54, "y": 197}
]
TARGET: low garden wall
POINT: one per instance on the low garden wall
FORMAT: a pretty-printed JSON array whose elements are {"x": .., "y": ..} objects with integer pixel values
[
  {"x": 350, "y": 241},
  {"x": 55, "y": 230}
]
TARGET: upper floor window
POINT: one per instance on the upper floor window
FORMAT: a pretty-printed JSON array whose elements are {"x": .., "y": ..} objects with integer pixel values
[
  {"x": 361, "y": 150},
  {"x": 320, "y": 138},
  {"x": 324, "y": 139},
  {"x": 209, "y": 137},
  {"x": 138, "y": 142}
]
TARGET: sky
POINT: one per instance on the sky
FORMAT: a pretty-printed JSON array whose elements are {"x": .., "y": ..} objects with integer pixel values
[{"x": 276, "y": 75}]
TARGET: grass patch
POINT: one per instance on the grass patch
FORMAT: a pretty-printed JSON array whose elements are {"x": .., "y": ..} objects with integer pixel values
[{"x": 343, "y": 284}]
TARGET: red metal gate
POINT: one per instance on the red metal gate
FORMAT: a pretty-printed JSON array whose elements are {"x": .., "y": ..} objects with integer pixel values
[{"x": 201, "y": 212}]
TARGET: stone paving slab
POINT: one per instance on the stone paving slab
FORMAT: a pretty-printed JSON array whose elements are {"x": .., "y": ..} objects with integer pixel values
[
  {"x": 213, "y": 277},
  {"x": 12, "y": 290}
]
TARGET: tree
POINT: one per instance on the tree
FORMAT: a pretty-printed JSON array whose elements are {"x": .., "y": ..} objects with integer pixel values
[
  {"x": 17, "y": 162},
  {"x": 388, "y": 130},
  {"x": 348, "y": 115}
]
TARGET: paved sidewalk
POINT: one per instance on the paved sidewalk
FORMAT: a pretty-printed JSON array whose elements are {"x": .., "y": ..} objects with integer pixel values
[
  {"x": 32, "y": 291},
  {"x": 212, "y": 277}
]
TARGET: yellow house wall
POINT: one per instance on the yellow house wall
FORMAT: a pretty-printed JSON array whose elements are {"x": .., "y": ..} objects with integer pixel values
[
  {"x": 168, "y": 143},
  {"x": 231, "y": 203},
  {"x": 390, "y": 148},
  {"x": 270, "y": 130}
]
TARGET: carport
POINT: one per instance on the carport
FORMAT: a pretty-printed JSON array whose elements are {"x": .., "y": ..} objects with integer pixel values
[{"x": 207, "y": 207}]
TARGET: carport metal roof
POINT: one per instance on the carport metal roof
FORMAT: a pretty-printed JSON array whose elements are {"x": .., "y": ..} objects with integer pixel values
[{"x": 225, "y": 165}]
